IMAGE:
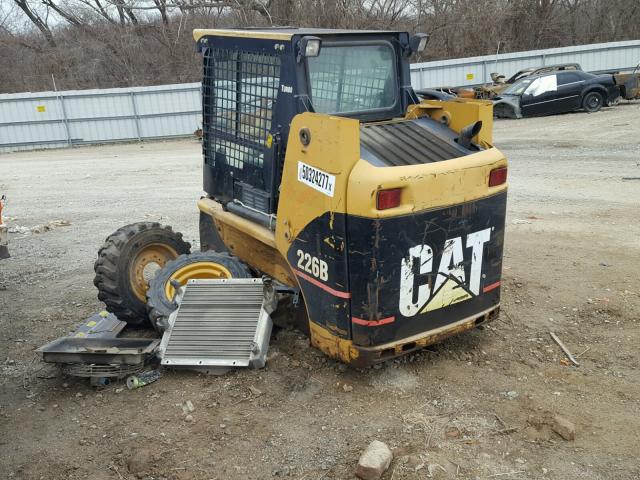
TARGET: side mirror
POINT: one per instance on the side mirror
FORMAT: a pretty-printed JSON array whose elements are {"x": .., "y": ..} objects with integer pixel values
[{"x": 418, "y": 43}]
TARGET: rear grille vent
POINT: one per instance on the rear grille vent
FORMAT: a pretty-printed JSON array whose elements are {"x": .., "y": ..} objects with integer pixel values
[{"x": 408, "y": 143}]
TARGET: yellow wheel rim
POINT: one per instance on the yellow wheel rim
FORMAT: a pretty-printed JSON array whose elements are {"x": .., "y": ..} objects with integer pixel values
[
  {"x": 193, "y": 271},
  {"x": 146, "y": 264}
]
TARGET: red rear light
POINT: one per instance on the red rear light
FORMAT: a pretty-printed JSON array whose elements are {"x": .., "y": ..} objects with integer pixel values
[
  {"x": 498, "y": 176},
  {"x": 388, "y": 198}
]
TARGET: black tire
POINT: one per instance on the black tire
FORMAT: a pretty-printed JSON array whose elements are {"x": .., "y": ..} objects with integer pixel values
[
  {"x": 592, "y": 102},
  {"x": 159, "y": 306},
  {"x": 121, "y": 255}
]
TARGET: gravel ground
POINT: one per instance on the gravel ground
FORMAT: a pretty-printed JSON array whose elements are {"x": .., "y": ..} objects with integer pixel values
[{"x": 480, "y": 405}]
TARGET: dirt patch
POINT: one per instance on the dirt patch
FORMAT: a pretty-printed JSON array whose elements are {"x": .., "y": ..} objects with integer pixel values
[{"x": 466, "y": 408}]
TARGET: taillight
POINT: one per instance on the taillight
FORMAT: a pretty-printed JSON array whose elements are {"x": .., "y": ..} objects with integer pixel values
[
  {"x": 388, "y": 198},
  {"x": 498, "y": 176}
]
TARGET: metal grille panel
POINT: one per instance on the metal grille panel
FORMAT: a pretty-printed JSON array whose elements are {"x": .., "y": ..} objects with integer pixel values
[
  {"x": 407, "y": 143},
  {"x": 98, "y": 371},
  {"x": 239, "y": 92},
  {"x": 216, "y": 323}
]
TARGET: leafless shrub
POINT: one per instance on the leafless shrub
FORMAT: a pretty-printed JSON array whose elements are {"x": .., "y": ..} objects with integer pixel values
[{"x": 110, "y": 43}]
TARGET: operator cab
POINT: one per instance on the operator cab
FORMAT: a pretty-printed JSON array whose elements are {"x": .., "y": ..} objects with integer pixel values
[{"x": 256, "y": 81}]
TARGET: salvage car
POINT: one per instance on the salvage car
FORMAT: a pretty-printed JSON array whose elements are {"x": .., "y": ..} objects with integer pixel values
[
  {"x": 557, "y": 92},
  {"x": 499, "y": 84},
  {"x": 629, "y": 83}
]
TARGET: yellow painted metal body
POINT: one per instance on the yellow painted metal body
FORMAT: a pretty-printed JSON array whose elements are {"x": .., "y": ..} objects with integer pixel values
[
  {"x": 252, "y": 243},
  {"x": 441, "y": 184},
  {"x": 457, "y": 114},
  {"x": 345, "y": 351},
  {"x": 335, "y": 148},
  {"x": 198, "y": 33}
]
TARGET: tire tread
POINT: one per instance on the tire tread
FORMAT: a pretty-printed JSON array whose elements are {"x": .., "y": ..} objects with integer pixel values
[{"x": 110, "y": 258}]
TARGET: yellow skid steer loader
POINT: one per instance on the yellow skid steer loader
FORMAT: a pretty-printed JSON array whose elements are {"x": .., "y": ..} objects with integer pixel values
[{"x": 382, "y": 214}]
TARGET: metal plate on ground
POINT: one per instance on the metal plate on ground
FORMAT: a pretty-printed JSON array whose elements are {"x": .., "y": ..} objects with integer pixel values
[
  {"x": 103, "y": 351},
  {"x": 100, "y": 325},
  {"x": 218, "y": 323}
]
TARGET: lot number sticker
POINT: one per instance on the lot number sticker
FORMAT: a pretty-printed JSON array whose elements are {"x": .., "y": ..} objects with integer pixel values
[{"x": 316, "y": 179}]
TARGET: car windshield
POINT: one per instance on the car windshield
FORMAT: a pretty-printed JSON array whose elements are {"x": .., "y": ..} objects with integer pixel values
[
  {"x": 353, "y": 78},
  {"x": 519, "y": 87}
]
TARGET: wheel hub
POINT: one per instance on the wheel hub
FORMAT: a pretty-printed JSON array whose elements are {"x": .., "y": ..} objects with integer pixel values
[
  {"x": 146, "y": 264},
  {"x": 196, "y": 270}
]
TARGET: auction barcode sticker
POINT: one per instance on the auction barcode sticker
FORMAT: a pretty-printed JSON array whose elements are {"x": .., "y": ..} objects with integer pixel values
[{"x": 317, "y": 179}]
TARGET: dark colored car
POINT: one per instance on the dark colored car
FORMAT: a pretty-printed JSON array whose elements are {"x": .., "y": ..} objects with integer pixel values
[
  {"x": 530, "y": 72},
  {"x": 556, "y": 92},
  {"x": 499, "y": 85}
]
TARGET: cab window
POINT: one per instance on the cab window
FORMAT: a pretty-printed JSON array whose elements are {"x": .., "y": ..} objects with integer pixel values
[{"x": 353, "y": 78}]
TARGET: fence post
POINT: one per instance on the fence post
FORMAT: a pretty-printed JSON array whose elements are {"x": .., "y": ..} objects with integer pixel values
[
  {"x": 65, "y": 119},
  {"x": 135, "y": 114}
]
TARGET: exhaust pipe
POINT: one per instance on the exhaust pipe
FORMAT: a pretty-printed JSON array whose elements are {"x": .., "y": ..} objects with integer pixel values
[{"x": 467, "y": 133}]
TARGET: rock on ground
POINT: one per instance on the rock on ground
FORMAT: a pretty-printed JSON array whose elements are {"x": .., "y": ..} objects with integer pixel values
[
  {"x": 374, "y": 461},
  {"x": 564, "y": 427}
]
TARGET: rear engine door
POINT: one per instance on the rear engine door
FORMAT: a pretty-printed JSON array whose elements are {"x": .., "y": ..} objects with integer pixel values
[
  {"x": 435, "y": 258},
  {"x": 416, "y": 273}
]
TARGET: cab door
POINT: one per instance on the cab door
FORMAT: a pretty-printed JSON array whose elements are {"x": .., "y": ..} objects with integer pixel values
[{"x": 241, "y": 88}]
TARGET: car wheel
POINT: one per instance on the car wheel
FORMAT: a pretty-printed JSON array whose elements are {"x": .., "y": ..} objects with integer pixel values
[{"x": 592, "y": 102}]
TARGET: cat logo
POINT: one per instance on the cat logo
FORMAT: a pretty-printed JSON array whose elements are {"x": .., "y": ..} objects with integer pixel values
[{"x": 451, "y": 285}]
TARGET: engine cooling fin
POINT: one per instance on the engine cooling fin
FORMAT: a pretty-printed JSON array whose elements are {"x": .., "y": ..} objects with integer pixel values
[
  {"x": 218, "y": 323},
  {"x": 408, "y": 143}
]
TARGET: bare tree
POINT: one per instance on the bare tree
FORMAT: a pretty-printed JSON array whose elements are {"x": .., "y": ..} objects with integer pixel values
[
  {"x": 38, "y": 21},
  {"x": 105, "y": 43}
]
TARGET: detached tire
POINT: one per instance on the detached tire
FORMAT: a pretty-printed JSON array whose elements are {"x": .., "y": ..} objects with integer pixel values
[
  {"x": 592, "y": 102},
  {"x": 128, "y": 260},
  {"x": 198, "y": 265}
]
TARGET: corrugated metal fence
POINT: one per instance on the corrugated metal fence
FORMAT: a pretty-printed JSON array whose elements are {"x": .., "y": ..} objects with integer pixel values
[
  {"x": 597, "y": 57},
  {"x": 58, "y": 119}
]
